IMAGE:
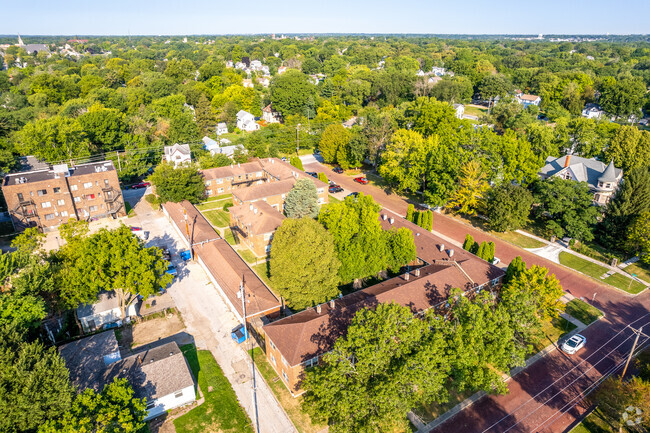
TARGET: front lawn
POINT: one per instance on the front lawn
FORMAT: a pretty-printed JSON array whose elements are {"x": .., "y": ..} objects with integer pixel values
[
  {"x": 217, "y": 204},
  {"x": 642, "y": 270},
  {"x": 475, "y": 111},
  {"x": 220, "y": 412},
  {"x": 427, "y": 412},
  {"x": 292, "y": 406},
  {"x": 593, "y": 423},
  {"x": 582, "y": 265},
  {"x": 217, "y": 218},
  {"x": 518, "y": 239},
  {"x": 582, "y": 311},
  {"x": 247, "y": 255},
  {"x": 229, "y": 237},
  {"x": 552, "y": 331},
  {"x": 624, "y": 283},
  {"x": 333, "y": 199},
  {"x": 262, "y": 270}
]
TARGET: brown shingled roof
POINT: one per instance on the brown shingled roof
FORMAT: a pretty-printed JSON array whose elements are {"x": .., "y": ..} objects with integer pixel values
[
  {"x": 199, "y": 228},
  {"x": 268, "y": 189},
  {"x": 528, "y": 97},
  {"x": 228, "y": 269},
  {"x": 282, "y": 170},
  {"x": 259, "y": 217},
  {"x": 232, "y": 170}
]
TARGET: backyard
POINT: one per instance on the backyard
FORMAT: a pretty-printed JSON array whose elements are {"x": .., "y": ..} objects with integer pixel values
[
  {"x": 220, "y": 412},
  {"x": 582, "y": 311}
]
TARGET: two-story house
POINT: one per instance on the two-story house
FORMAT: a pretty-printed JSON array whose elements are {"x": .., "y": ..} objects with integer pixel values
[
  {"x": 178, "y": 154},
  {"x": 255, "y": 223},
  {"x": 246, "y": 121}
]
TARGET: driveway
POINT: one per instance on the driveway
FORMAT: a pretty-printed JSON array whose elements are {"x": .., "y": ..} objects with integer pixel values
[{"x": 541, "y": 398}]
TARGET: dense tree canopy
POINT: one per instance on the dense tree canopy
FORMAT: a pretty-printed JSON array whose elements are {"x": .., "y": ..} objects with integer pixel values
[
  {"x": 178, "y": 184},
  {"x": 302, "y": 200}
]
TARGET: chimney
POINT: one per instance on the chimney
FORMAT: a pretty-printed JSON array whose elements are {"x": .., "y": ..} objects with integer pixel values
[
  {"x": 451, "y": 253},
  {"x": 318, "y": 308},
  {"x": 567, "y": 161},
  {"x": 391, "y": 220},
  {"x": 384, "y": 217},
  {"x": 331, "y": 303},
  {"x": 417, "y": 272},
  {"x": 407, "y": 276},
  {"x": 442, "y": 247},
  {"x": 251, "y": 206}
]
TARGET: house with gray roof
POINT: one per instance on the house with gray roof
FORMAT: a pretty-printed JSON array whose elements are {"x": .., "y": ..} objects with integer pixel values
[
  {"x": 103, "y": 312},
  {"x": 603, "y": 180},
  {"x": 178, "y": 154},
  {"x": 160, "y": 374}
]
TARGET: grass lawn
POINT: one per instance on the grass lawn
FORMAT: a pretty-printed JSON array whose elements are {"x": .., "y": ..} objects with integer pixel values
[
  {"x": 220, "y": 411},
  {"x": 431, "y": 411},
  {"x": 582, "y": 265},
  {"x": 641, "y": 270},
  {"x": 217, "y": 198},
  {"x": 583, "y": 311},
  {"x": 518, "y": 239},
  {"x": 247, "y": 255},
  {"x": 333, "y": 199},
  {"x": 129, "y": 210},
  {"x": 217, "y": 218},
  {"x": 624, "y": 283},
  {"x": 216, "y": 204},
  {"x": 475, "y": 111},
  {"x": 594, "y": 423},
  {"x": 553, "y": 331},
  {"x": 291, "y": 405},
  {"x": 262, "y": 270},
  {"x": 229, "y": 237}
]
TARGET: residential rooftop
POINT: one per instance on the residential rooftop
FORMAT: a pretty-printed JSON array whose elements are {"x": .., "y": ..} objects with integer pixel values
[
  {"x": 259, "y": 217},
  {"x": 200, "y": 230},
  {"x": 267, "y": 189},
  {"x": 56, "y": 172}
]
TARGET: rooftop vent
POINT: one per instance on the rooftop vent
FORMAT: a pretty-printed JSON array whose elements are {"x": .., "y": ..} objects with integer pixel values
[
  {"x": 451, "y": 253},
  {"x": 255, "y": 211},
  {"x": 384, "y": 217},
  {"x": 391, "y": 220},
  {"x": 331, "y": 303},
  {"x": 442, "y": 247},
  {"x": 318, "y": 308},
  {"x": 417, "y": 272},
  {"x": 407, "y": 276}
]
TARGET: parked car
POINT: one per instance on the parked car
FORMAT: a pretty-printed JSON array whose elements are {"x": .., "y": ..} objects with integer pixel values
[
  {"x": 353, "y": 194},
  {"x": 362, "y": 180},
  {"x": 335, "y": 188},
  {"x": 141, "y": 185},
  {"x": 284, "y": 158},
  {"x": 312, "y": 173},
  {"x": 338, "y": 170},
  {"x": 136, "y": 229},
  {"x": 112, "y": 325},
  {"x": 171, "y": 270},
  {"x": 185, "y": 255},
  {"x": 496, "y": 261},
  {"x": 238, "y": 334},
  {"x": 573, "y": 344},
  {"x": 166, "y": 254}
]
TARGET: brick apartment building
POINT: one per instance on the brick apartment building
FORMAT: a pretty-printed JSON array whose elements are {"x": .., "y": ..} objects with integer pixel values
[
  {"x": 299, "y": 341},
  {"x": 255, "y": 224},
  {"x": 49, "y": 197}
]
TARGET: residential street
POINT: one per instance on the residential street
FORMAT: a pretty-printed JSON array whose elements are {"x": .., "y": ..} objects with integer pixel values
[{"x": 541, "y": 398}]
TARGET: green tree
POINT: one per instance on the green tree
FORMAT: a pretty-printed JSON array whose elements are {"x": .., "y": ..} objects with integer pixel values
[
  {"x": 639, "y": 236},
  {"x": 304, "y": 264},
  {"x": 114, "y": 409},
  {"x": 508, "y": 207},
  {"x": 291, "y": 93},
  {"x": 471, "y": 191},
  {"x": 404, "y": 162},
  {"x": 401, "y": 248},
  {"x": 302, "y": 200},
  {"x": 481, "y": 250},
  {"x": 212, "y": 161},
  {"x": 205, "y": 118},
  {"x": 104, "y": 127},
  {"x": 565, "y": 208},
  {"x": 54, "y": 139},
  {"x": 629, "y": 148},
  {"x": 614, "y": 397},
  {"x": 115, "y": 261},
  {"x": 35, "y": 385},
  {"x": 409, "y": 212},
  {"x": 178, "y": 184},
  {"x": 397, "y": 362},
  {"x": 622, "y": 97},
  {"x": 469, "y": 242},
  {"x": 296, "y": 162},
  {"x": 515, "y": 268},
  {"x": 494, "y": 85},
  {"x": 358, "y": 236},
  {"x": 334, "y": 137},
  {"x": 323, "y": 178}
]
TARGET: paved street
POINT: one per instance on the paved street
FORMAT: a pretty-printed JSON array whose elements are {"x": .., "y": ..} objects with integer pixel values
[{"x": 541, "y": 398}]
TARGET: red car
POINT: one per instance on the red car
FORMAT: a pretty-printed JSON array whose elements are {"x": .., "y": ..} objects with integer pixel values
[
  {"x": 141, "y": 185},
  {"x": 362, "y": 180}
]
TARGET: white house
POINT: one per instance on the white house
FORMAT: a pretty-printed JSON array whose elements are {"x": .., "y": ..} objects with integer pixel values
[
  {"x": 592, "y": 111},
  {"x": 526, "y": 100},
  {"x": 270, "y": 115},
  {"x": 222, "y": 146},
  {"x": 160, "y": 374},
  {"x": 178, "y": 154},
  {"x": 246, "y": 121},
  {"x": 460, "y": 110},
  {"x": 103, "y": 312},
  {"x": 222, "y": 128}
]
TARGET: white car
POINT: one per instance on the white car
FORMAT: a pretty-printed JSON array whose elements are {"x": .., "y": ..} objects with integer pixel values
[{"x": 573, "y": 344}]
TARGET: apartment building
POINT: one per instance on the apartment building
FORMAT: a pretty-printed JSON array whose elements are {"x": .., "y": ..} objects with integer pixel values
[
  {"x": 254, "y": 224},
  {"x": 49, "y": 197}
]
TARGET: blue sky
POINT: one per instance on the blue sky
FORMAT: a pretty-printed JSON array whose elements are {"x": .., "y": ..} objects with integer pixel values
[{"x": 178, "y": 17}]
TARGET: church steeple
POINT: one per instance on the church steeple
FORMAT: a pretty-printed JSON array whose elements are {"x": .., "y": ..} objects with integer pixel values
[{"x": 20, "y": 42}]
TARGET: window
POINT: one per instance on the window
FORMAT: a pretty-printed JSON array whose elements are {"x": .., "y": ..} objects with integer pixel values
[
  {"x": 283, "y": 196},
  {"x": 90, "y": 197},
  {"x": 321, "y": 200},
  {"x": 49, "y": 217},
  {"x": 219, "y": 180},
  {"x": 20, "y": 196},
  {"x": 208, "y": 182},
  {"x": 284, "y": 361},
  {"x": 272, "y": 345},
  {"x": 178, "y": 394},
  {"x": 258, "y": 174},
  {"x": 64, "y": 213},
  {"x": 57, "y": 190},
  {"x": 220, "y": 190},
  {"x": 73, "y": 187},
  {"x": 311, "y": 362},
  {"x": 60, "y": 202},
  {"x": 105, "y": 182},
  {"x": 77, "y": 199},
  {"x": 88, "y": 185},
  {"x": 208, "y": 192},
  {"x": 267, "y": 249},
  {"x": 41, "y": 192},
  {"x": 151, "y": 405},
  {"x": 96, "y": 183},
  {"x": 46, "y": 204},
  {"x": 92, "y": 208},
  {"x": 321, "y": 190},
  {"x": 273, "y": 359},
  {"x": 284, "y": 375}
]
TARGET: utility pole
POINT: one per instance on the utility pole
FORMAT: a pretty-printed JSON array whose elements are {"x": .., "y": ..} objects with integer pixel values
[
  {"x": 242, "y": 294},
  {"x": 638, "y": 334},
  {"x": 187, "y": 230},
  {"x": 297, "y": 139},
  {"x": 119, "y": 164}
]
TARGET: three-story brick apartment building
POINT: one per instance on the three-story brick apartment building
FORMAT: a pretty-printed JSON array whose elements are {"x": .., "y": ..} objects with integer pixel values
[{"x": 49, "y": 197}]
